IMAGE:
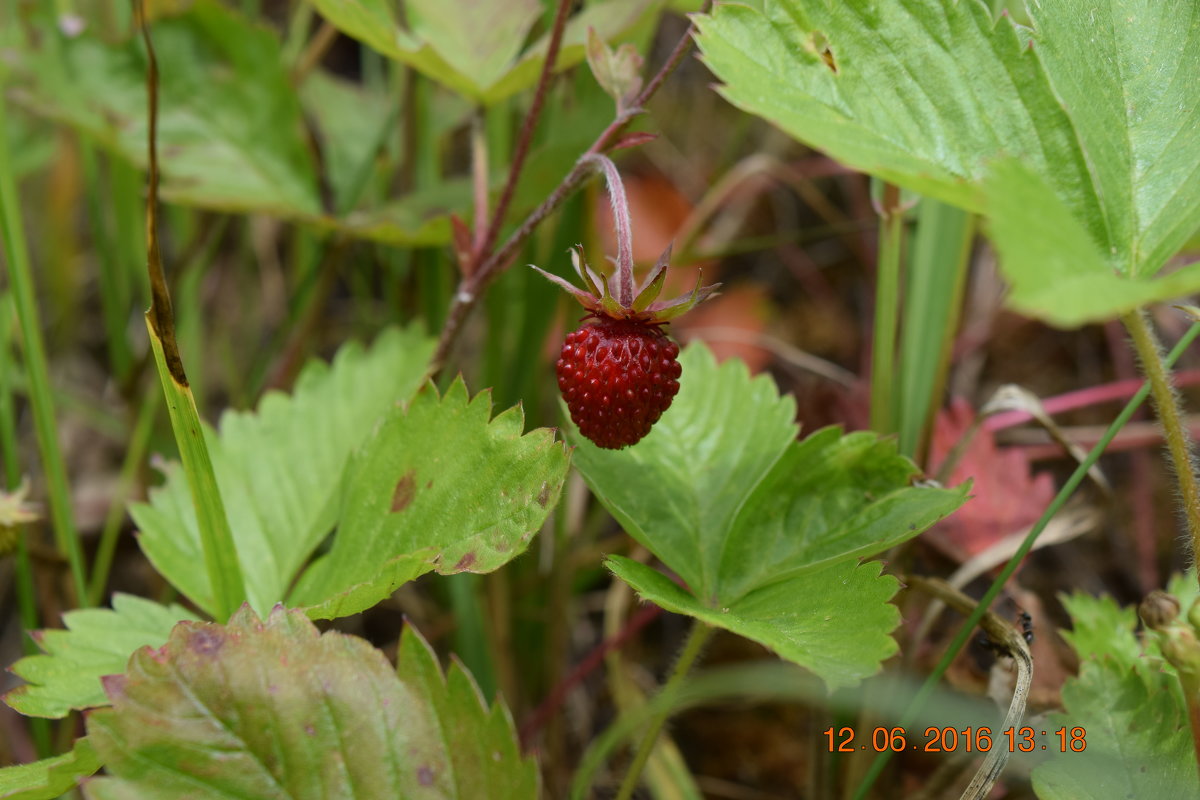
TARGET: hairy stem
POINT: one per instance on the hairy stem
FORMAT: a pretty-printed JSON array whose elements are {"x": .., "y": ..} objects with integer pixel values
[
  {"x": 620, "y": 211},
  {"x": 1166, "y": 404},
  {"x": 691, "y": 651}
]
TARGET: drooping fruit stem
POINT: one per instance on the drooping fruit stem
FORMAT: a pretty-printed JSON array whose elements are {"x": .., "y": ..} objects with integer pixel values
[
  {"x": 696, "y": 640},
  {"x": 620, "y": 211},
  {"x": 1166, "y": 404}
]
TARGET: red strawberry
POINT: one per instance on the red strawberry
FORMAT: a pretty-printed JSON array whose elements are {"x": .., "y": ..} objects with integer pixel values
[
  {"x": 618, "y": 377},
  {"x": 618, "y": 373}
]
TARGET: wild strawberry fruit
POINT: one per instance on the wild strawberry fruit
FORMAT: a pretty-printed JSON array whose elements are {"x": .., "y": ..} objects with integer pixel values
[
  {"x": 618, "y": 376},
  {"x": 618, "y": 372}
]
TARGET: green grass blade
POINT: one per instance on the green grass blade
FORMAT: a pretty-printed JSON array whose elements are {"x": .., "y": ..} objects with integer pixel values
[
  {"x": 932, "y": 301},
  {"x": 216, "y": 539},
  {"x": 23, "y": 571},
  {"x": 16, "y": 254}
]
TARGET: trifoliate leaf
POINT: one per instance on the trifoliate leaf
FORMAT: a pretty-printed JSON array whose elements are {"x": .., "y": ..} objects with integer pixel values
[
  {"x": 95, "y": 642},
  {"x": 279, "y": 469},
  {"x": 679, "y": 489},
  {"x": 50, "y": 777},
  {"x": 274, "y": 709},
  {"x": 761, "y": 528},
  {"x": 438, "y": 485}
]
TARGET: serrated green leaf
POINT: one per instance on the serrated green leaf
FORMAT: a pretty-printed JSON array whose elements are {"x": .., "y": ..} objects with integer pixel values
[
  {"x": 1138, "y": 742},
  {"x": 896, "y": 100},
  {"x": 1090, "y": 101},
  {"x": 759, "y": 526},
  {"x": 484, "y": 756},
  {"x": 833, "y": 621},
  {"x": 830, "y": 498},
  {"x": 1100, "y": 627},
  {"x": 438, "y": 485},
  {"x": 274, "y": 709},
  {"x": 230, "y": 128},
  {"x": 679, "y": 489},
  {"x": 95, "y": 642},
  {"x": 477, "y": 48},
  {"x": 50, "y": 777},
  {"x": 1129, "y": 704},
  {"x": 725, "y": 496},
  {"x": 279, "y": 469}
]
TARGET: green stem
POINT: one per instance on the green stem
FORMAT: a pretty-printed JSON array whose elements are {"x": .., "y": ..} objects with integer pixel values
[
  {"x": 691, "y": 651},
  {"x": 887, "y": 301},
  {"x": 994, "y": 590},
  {"x": 1170, "y": 416},
  {"x": 17, "y": 254}
]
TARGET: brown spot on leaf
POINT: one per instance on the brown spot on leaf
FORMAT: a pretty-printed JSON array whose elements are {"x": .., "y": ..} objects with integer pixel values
[
  {"x": 406, "y": 489},
  {"x": 465, "y": 562},
  {"x": 544, "y": 495},
  {"x": 425, "y": 775},
  {"x": 205, "y": 642}
]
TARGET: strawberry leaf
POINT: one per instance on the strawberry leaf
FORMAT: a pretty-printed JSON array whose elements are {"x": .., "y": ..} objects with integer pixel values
[
  {"x": 833, "y": 621},
  {"x": 279, "y": 469},
  {"x": 1087, "y": 114},
  {"x": 436, "y": 486},
  {"x": 476, "y": 48},
  {"x": 724, "y": 495},
  {"x": 274, "y": 709},
  {"x": 1129, "y": 704},
  {"x": 50, "y": 777},
  {"x": 94, "y": 643}
]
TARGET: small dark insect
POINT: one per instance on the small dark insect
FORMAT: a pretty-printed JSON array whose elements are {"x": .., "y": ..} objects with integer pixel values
[
  {"x": 1027, "y": 626},
  {"x": 984, "y": 642}
]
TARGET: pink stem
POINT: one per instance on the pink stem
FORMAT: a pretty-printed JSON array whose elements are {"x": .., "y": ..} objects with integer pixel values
[
  {"x": 620, "y": 209},
  {"x": 1081, "y": 398}
]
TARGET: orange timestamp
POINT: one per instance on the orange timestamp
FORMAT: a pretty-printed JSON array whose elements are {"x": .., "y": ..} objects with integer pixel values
[{"x": 952, "y": 740}]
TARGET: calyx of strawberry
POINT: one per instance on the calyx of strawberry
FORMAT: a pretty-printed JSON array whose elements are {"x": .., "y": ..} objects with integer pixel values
[{"x": 612, "y": 293}]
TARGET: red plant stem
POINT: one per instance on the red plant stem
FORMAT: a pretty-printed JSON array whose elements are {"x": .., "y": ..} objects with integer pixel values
[
  {"x": 489, "y": 267},
  {"x": 486, "y": 242},
  {"x": 1081, "y": 398},
  {"x": 550, "y": 706}
]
